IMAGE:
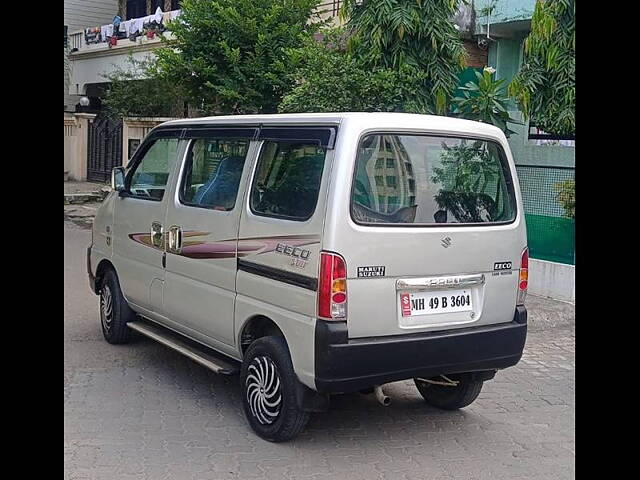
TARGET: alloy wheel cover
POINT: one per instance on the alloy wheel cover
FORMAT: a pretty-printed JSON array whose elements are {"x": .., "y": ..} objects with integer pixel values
[
  {"x": 106, "y": 307},
  {"x": 263, "y": 391}
]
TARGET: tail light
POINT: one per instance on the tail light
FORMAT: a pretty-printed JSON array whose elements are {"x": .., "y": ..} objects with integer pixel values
[
  {"x": 523, "y": 281},
  {"x": 332, "y": 288}
]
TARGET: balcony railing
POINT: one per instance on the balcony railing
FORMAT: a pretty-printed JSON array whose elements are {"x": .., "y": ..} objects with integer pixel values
[
  {"x": 135, "y": 31},
  {"x": 331, "y": 7}
]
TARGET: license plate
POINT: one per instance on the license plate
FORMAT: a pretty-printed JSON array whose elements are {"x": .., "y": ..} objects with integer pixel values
[{"x": 428, "y": 303}]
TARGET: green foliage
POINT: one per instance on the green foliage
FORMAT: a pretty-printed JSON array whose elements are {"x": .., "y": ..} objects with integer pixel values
[
  {"x": 485, "y": 101},
  {"x": 229, "y": 54},
  {"x": 419, "y": 34},
  {"x": 488, "y": 10},
  {"x": 466, "y": 168},
  {"x": 566, "y": 196},
  {"x": 136, "y": 92},
  {"x": 545, "y": 86},
  {"x": 470, "y": 183},
  {"x": 329, "y": 79}
]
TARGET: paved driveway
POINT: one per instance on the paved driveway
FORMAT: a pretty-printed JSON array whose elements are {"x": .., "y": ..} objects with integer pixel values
[{"x": 141, "y": 411}]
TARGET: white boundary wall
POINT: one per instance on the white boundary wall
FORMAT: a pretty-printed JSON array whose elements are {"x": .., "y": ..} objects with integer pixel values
[{"x": 553, "y": 280}]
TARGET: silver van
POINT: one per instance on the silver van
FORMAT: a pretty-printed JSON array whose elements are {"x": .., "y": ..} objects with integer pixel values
[{"x": 317, "y": 254}]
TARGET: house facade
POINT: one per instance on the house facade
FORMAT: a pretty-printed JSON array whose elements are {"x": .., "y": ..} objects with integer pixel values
[
  {"x": 95, "y": 49},
  {"x": 101, "y": 35},
  {"x": 78, "y": 14}
]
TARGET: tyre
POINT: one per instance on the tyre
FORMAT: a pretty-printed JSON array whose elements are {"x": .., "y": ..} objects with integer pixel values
[
  {"x": 449, "y": 397},
  {"x": 114, "y": 310},
  {"x": 268, "y": 385}
]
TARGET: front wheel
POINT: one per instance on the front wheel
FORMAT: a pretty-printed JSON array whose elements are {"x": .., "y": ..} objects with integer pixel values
[
  {"x": 114, "y": 310},
  {"x": 449, "y": 392},
  {"x": 268, "y": 385}
]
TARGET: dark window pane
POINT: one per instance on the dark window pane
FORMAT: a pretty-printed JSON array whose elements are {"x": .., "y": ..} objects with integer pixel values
[
  {"x": 212, "y": 173},
  {"x": 435, "y": 180},
  {"x": 136, "y": 9},
  {"x": 287, "y": 180}
]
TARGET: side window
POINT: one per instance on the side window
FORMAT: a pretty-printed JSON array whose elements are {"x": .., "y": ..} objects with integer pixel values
[
  {"x": 212, "y": 173},
  {"x": 149, "y": 179},
  {"x": 287, "y": 180}
]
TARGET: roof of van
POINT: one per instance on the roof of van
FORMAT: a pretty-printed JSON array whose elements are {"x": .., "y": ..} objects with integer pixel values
[{"x": 364, "y": 120}]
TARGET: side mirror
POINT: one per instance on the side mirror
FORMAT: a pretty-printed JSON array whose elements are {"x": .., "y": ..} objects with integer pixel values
[{"x": 117, "y": 179}]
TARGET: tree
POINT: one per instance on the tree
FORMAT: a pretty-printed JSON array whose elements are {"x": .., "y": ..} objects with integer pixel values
[
  {"x": 566, "y": 196},
  {"x": 136, "y": 91},
  {"x": 415, "y": 33},
  {"x": 329, "y": 79},
  {"x": 485, "y": 101},
  {"x": 545, "y": 85},
  {"x": 228, "y": 55}
]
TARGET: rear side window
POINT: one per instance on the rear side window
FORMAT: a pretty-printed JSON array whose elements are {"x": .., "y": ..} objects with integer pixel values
[
  {"x": 287, "y": 180},
  {"x": 429, "y": 180},
  {"x": 150, "y": 175},
  {"x": 212, "y": 173}
]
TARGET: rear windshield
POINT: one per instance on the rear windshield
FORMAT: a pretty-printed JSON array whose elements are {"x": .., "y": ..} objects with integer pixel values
[{"x": 430, "y": 180}]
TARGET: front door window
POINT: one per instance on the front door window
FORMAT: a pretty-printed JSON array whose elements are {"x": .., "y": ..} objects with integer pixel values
[{"x": 149, "y": 177}]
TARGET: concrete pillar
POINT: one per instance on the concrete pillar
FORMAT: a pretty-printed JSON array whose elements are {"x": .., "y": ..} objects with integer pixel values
[{"x": 78, "y": 156}]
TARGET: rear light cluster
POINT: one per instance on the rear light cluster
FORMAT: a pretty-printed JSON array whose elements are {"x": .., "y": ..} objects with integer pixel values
[
  {"x": 523, "y": 281},
  {"x": 332, "y": 288}
]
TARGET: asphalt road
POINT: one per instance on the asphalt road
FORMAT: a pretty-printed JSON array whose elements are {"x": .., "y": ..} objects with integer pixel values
[{"x": 142, "y": 411}]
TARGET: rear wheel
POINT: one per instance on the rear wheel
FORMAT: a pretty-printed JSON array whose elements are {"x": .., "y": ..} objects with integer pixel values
[
  {"x": 268, "y": 385},
  {"x": 114, "y": 310},
  {"x": 451, "y": 392}
]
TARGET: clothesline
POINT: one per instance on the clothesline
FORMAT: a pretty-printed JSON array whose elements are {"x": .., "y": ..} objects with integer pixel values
[{"x": 131, "y": 28}]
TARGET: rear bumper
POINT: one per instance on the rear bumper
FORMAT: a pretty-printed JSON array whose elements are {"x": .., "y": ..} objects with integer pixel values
[{"x": 348, "y": 365}]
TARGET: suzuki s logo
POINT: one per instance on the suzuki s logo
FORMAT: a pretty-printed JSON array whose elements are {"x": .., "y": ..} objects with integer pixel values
[{"x": 446, "y": 242}]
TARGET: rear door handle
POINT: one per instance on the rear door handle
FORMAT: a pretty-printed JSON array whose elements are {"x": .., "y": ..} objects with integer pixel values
[{"x": 175, "y": 240}]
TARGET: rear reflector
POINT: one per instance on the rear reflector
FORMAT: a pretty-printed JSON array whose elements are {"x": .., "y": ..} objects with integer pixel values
[
  {"x": 523, "y": 281},
  {"x": 332, "y": 287}
]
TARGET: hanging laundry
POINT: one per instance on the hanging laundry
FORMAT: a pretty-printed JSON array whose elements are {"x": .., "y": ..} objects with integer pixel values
[
  {"x": 135, "y": 26},
  {"x": 104, "y": 32},
  {"x": 92, "y": 35},
  {"x": 126, "y": 27}
]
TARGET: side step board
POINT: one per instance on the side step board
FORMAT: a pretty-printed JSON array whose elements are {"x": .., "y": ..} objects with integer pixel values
[{"x": 196, "y": 352}]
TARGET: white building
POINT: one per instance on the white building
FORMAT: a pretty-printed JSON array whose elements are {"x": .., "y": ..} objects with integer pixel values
[{"x": 79, "y": 14}]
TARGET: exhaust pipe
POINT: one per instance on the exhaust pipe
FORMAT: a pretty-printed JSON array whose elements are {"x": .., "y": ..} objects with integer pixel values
[{"x": 383, "y": 399}]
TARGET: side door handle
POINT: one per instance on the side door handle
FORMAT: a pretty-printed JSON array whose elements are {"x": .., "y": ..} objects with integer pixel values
[
  {"x": 175, "y": 240},
  {"x": 157, "y": 234}
]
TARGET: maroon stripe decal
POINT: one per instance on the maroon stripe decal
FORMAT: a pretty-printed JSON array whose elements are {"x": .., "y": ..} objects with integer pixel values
[{"x": 243, "y": 247}]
